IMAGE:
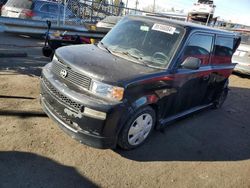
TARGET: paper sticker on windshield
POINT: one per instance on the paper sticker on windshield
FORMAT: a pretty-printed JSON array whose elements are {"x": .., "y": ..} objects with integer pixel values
[
  {"x": 164, "y": 28},
  {"x": 144, "y": 28}
]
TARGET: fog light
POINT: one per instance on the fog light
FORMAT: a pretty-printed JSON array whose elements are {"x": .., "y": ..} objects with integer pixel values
[{"x": 94, "y": 113}]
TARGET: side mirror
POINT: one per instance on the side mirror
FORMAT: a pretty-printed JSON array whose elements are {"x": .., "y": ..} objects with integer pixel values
[{"x": 191, "y": 63}]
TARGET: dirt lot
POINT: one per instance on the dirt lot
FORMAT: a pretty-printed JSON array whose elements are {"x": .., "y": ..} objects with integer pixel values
[{"x": 209, "y": 149}]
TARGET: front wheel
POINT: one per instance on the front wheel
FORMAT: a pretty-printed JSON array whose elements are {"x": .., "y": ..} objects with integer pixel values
[{"x": 137, "y": 129}]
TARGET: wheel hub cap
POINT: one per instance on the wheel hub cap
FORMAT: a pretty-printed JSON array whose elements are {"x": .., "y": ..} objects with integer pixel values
[{"x": 140, "y": 129}]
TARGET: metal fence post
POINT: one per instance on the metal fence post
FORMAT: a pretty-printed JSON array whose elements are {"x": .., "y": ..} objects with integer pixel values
[
  {"x": 58, "y": 17},
  {"x": 64, "y": 11},
  {"x": 92, "y": 7},
  {"x": 208, "y": 19}
]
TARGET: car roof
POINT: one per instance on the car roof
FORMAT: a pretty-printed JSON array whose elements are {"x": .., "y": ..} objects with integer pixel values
[{"x": 189, "y": 25}]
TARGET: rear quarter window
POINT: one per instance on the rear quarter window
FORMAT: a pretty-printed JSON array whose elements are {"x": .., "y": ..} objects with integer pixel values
[
  {"x": 223, "y": 50},
  {"x": 25, "y": 4}
]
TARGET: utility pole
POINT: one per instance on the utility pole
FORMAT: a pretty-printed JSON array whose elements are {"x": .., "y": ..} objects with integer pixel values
[
  {"x": 126, "y": 12},
  {"x": 136, "y": 5},
  {"x": 154, "y": 6}
]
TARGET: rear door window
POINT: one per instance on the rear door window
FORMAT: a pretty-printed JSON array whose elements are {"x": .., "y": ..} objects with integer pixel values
[
  {"x": 223, "y": 50},
  {"x": 199, "y": 46}
]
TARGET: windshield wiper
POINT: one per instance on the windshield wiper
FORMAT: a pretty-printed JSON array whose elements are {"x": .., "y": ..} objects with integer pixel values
[
  {"x": 105, "y": 47},
  {"x": 140, "y": 59}
]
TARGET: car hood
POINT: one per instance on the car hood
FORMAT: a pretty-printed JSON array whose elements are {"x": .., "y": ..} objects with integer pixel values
[{"x": 101, "y": 65}]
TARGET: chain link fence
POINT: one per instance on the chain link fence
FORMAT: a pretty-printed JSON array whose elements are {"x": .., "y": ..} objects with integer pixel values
[
  {"x": 68, "y": 12},
  {"x": 93, "y": 11},
  {"x": 65, "y": 12}
]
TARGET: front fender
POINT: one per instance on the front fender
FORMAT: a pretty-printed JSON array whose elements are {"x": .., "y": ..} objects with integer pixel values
[{"x": 144, "y": 101}]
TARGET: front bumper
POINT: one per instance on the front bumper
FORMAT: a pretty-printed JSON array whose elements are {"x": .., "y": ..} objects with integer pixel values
[
  {"x": 81, "y": 136},
  {"x": 67, "y": 107}
]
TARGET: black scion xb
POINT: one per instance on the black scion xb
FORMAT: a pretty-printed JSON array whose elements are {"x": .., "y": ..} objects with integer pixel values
[{"x": 144, "y": 74}]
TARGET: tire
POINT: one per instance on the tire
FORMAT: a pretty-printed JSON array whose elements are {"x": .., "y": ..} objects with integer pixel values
[
  {"x": 47, "y": 51},
  {"x": 221, "y": 99},
  {"x": 137, "y": 129}
]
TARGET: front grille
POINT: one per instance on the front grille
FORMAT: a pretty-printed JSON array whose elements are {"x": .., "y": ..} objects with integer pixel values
[
  {"x": 61, "y": 97},
  {"x": 72, "y": 76}
]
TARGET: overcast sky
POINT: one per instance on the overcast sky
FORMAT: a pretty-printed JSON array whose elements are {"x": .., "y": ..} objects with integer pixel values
[{"x": 237, "y": 11}]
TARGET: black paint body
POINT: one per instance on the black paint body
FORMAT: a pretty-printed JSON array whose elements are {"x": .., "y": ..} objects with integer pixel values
[{"x": 172, "y": 92}]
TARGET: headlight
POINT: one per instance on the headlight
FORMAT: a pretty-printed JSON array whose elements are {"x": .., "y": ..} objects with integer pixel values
[{"x": 108, "y": 91}]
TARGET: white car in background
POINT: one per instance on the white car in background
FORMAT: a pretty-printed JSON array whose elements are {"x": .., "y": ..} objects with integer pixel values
[
  {"x": 202, "y": 10},
  {"x": 242, "y": 54},
  {"x": 17, "y": 9}
]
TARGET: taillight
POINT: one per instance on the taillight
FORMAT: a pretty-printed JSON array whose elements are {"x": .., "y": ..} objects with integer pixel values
[{"x": 28, "y": 13}]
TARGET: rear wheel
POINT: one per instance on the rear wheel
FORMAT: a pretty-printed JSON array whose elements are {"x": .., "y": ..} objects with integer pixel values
[
  {"x": 221, "y": 99},
  {"x": 137, "y": 129}
]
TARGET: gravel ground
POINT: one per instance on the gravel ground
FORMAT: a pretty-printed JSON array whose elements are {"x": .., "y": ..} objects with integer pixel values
[{"x": 209, "y": 149}]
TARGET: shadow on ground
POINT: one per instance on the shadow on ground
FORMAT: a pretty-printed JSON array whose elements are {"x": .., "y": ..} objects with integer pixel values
[
  {"x": 20, "y": 169},
  {"x": 28, "y": 66},
  {"x": 212, "y": 135},
  {"x": 22, "y": 114},
  {"x": 15, "y": 97},
  {"x": 242, "y": 75}
]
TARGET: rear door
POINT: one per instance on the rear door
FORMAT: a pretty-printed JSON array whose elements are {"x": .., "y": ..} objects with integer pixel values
[{"x": 221, "y": 63}]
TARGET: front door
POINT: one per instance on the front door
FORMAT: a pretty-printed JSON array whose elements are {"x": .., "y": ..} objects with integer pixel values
[{"x": 192, "y": 85}]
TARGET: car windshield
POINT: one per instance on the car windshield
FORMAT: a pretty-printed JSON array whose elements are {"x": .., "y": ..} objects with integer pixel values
[
  {"x": 24, "y": 4},
  {"x": 149, "y": 42}
]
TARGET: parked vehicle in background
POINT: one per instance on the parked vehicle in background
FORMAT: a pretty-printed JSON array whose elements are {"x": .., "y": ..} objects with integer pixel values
[
  {"x": 47, "y": 10},
  {"x": 144, "y": 74},
  {"x": 242, "y": 54},
  {"x": 202, "y": 10},
  {"x": 2, "y": 2},
  {"x": 17, "y": 9},
  {"x": 38, "y": 10},
  {"x": 107, "y": 23}
]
